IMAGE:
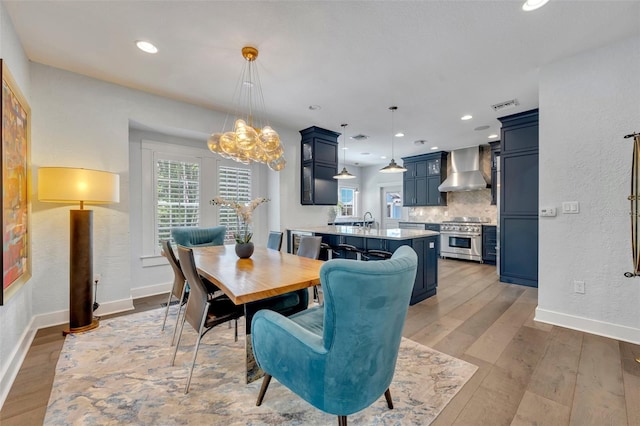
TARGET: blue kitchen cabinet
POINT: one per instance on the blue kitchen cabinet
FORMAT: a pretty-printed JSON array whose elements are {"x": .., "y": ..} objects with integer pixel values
[
  {"x": 318, "y": 165},
  {"x": 519, "y": 199},
  {"x": 421, "y": 180}
]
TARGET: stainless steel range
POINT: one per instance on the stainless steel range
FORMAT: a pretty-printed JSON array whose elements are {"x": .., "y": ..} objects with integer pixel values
[{"x": 461, "y": 238}]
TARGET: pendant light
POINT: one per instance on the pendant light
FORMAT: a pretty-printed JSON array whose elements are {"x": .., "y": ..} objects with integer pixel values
[
  {"x": 392, "y": 167},
  {"x": 251, "y": 139},
  {"x": 344, "y": 174}
]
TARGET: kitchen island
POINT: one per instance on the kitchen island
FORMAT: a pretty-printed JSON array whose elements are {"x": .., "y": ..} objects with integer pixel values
[{"x": 424, "y": 242}]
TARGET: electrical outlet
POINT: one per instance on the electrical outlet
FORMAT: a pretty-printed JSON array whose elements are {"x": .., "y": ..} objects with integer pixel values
[
  {"x": 97, "y": 278},
  {"x": 578, "y": 287}
]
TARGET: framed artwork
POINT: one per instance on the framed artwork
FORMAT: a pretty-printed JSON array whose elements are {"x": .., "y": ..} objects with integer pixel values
[{"x": 16, "y": 186}]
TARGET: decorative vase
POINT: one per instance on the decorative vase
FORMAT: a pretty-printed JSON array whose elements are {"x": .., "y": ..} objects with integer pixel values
[{"x": 244, "y": 251}]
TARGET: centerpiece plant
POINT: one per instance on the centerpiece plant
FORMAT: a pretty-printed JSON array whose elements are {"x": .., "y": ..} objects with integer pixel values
[{"x": 244, "y": 215}]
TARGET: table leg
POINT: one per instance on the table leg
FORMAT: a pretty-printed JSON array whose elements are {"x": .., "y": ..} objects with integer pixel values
[{"x": 253, "y": 371}]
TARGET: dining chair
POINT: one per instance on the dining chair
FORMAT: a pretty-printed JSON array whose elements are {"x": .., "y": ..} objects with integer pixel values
[
  {"x": 310, "y": 247},
  {"x": 274, "y": 241},
  {"x": 194, "y": 236},
  {"x": 340, "y": 357},
  {"x": 179, "y": 286},
  {"x": 202, "y": 312}
]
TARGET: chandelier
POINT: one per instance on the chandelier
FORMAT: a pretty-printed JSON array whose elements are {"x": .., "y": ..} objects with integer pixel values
[
  {"x": 252, "y": 139},
  {"x": 344, "y": 174},
  {"x": 392, "y": 167}
]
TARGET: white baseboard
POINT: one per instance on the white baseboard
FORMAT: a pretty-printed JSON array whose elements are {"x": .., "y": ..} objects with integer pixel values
[
  {"x": 600, "y": 328},
  {"x": 16, "y": 359},
  {"x": 151, "y": 290}
]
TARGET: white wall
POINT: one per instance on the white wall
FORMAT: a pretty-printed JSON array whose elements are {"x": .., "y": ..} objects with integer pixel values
[
  {"x": 16, "y": 313},
  {"x": 587, "y": 104}
]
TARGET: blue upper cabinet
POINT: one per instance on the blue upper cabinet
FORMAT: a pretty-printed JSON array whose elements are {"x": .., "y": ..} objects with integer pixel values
[
  {"x": 318, "y": 166},
  {"x": 421, "y": 180},
  {"x": 519, "y": 199}
]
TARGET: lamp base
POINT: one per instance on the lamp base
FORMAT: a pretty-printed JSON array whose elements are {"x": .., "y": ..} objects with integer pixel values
[{"x": 77, "y": 330}]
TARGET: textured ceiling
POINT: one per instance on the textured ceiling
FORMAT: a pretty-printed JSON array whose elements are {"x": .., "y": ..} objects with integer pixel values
[{"x": 435, "y": 60}]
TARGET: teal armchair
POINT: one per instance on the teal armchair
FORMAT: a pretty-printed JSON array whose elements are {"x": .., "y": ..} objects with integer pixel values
[
  {"x": 192, "y": 236},
  {"x": 341, "y": 357}
]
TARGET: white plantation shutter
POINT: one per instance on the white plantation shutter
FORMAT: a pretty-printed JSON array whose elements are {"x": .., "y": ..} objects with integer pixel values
[
  {"x": 177, "y": 196},
  {"x": 234, "y": 183}
]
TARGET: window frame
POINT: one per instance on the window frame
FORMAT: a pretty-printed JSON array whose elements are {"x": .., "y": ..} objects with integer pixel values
[{"x": 354, "y": 191}]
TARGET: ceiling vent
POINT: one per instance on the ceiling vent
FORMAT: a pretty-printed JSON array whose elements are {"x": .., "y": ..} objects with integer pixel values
[
  {"x": 505, "y": 105},
  {"x": 359, "y": 137},
  {"x": 419, "y": 142}
]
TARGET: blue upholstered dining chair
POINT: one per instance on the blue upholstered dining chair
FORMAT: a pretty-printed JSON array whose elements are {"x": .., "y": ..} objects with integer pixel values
[
  {"x": 193, "y": 236},
  {"x": 341, "y": 357}
]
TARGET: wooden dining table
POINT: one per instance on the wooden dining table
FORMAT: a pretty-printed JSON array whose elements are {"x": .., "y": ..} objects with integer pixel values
[{"x": 265, "y": 274}]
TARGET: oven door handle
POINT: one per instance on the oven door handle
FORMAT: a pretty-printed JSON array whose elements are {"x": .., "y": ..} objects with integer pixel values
[{"x": 449, "y": 234}]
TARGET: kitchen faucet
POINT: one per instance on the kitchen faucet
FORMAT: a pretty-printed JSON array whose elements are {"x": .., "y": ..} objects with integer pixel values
[{"x": 364, "y": 220}]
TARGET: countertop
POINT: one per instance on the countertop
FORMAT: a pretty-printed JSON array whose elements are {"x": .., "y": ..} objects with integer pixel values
[{"x": 389, "y": 234}]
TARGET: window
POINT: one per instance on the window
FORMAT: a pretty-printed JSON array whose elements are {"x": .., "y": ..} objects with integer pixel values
[
  {"x": 347, "y": 201},
  {"x": 177, "y": 195},
  {"x": 234, "y": 183}
]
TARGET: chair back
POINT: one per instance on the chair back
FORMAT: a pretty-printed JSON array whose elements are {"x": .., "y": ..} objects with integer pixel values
[
  {"x": 365, "y": 309},
  {"x": 178, "y": 277},
  {"x": 275, "y": 240},
  {"x": 198, "y": 301},
  {"x": 309, "y": 247},
  {"x": 193, "y": 236}
]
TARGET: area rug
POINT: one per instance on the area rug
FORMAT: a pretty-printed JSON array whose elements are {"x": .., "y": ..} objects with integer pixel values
[{"x": 120, "y": 374}]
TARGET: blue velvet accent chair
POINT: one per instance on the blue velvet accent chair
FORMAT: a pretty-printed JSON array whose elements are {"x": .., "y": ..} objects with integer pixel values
[
  {"x": 193, "y": 236},
  {"x": 341, "y": 357}
]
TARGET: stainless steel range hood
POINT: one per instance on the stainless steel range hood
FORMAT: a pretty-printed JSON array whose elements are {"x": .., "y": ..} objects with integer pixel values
[{"x": 465, "y": 171}]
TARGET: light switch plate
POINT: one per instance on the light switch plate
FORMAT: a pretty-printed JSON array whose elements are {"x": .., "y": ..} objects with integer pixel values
[{"x": 570, "y": 207}]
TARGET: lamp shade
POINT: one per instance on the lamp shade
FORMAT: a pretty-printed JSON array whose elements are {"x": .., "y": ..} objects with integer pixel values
[{"x": 69, "y": 185}]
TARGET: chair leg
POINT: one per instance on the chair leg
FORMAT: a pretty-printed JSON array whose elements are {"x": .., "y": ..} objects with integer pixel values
[
  {"x": 180, "y": 305},
  {"x": 387, "y": 396},
  {"x": 342, "y": 420},
  {"x": 175, "y": 351},
  {"x": 263, "y": 388},
  {"x": 166, "y": 311},
  {"x": 235, "y": 335},
  {"x": 195, "y": 351}
]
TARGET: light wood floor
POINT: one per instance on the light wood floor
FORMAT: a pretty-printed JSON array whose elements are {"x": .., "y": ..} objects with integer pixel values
[{"x": 529, "y": 373}]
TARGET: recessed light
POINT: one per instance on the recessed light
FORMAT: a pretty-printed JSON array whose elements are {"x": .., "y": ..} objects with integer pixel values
[
  {"x": 314, "y": 107},
  {"x": 345, "y": 148},
  {"x": 433, "y": 148},
  {"x": 530, "y": 5},
  {"x": 383, "y": 157},
  {"x": 399, "y": 135},
  {"x": 466, "y": 117},
  {"x": 492, "y": 136},
  {"x": 146, "y": 46}
]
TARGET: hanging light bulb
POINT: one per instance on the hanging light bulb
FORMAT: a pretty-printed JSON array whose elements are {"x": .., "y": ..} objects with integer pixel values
[
  {"x": 392, "y": 167},
  {"x": 344, "y": 174},
  {"x": 249, "y": 141}
]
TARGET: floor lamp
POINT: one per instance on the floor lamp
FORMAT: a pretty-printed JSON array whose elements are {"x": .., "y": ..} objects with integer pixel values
[{"x": 69, "y": 185}]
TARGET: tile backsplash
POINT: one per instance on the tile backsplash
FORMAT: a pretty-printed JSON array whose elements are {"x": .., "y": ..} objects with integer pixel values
[
  {"x": 463, "y": 203},
  {"x": 466, "y": 203}
]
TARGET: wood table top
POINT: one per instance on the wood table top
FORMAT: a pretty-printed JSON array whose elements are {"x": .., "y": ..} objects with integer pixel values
[{"x": 265, "y": 274}]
